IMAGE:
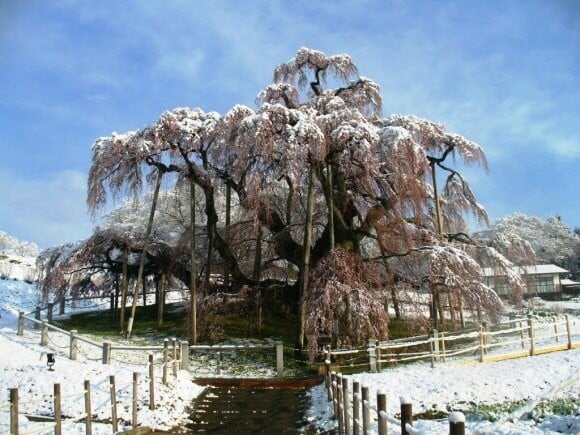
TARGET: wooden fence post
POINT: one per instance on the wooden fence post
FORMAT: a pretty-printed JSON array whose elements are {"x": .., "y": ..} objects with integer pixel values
[
  {"x": 382, "y": 408},
  {"x": 366, "y": 410},
  {"x": 57, "y": 410},
  {"x": 339, "y": 403},
  {"x": 346, "y": 406},
  {"x": 165, "y": 359},
  {"x": 442, "y": 338},
  {"x": 532, "y": 335},
  {"x": 106, "y": 352},
  {"x": 481, "y": 344},
  {"x": 151, "y": 382},
  {"x": 406, "y": 414},
  {"x": 184, "y": 355},
  {"x": 88, "y": 421},
  {"x": 134, "y": 421},
  {"x": 219, "y": 363},
  {"x": 372, "y": 355},
  {"x": 356, "y": 408},
  {"x": 62, "y": 306},
  {"x": 334, "y": 391},
  {"x": 280, "y": 359},
  {"x": 568, "y": 332},
  {"x": 14, "y": 411},
  {"x": 73, "y": 344},
  {"x": 113, "y": 404},
  {"x": 174, "y": 348},
  {"x": 456, "y": 423},
  {"x": 37, "y": 317},
  {"x": 556, "y": 331},
  {"x": 522, "y": 334},
  {"x": 44, "y": 333},
  {"x": 21, "y": 323},
  {"x": 327, "y": 363}
]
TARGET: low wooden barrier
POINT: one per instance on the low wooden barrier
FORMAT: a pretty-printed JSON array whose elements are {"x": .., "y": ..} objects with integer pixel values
[
  {"x": 174, "y": 354},
  {"x": 508, "y": 340},
  {"x": 57, "y": 423},
  {"x": 354, "y": 410}
]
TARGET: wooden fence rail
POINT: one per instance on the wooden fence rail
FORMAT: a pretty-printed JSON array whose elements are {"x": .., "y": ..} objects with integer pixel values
[
  {"x": 57, "y": 423},
  {"x": 175, "y": 356},
  {"x": 512, "y": 339}
]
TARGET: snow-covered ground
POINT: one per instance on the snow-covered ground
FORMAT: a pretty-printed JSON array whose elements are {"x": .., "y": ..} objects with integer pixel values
[
  {"x": 451, "y": 386},
  {"x": 23, "y": 365}
]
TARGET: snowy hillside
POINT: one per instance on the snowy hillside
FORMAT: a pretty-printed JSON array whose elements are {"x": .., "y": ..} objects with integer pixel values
[{"x": 17, "y": 258}]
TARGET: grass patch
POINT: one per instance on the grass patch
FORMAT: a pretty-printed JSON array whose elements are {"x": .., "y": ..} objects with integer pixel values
[{"x": 105, "y": 323}]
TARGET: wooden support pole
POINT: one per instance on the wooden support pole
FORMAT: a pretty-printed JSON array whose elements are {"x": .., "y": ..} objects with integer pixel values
[
  {"x": 442, "y": 337},
  {"x": 20, "y": 323},
  {"x": 44, "y": 333},
  {"x": 522, "y": 335},
  {"x": 73, "y": 344},
  {"x": 88, "y": 411},
  {"x": 568, "y": 332},
  {"x": 14, "y": 411},
  {"x": 184, "y": 355},
  {"x": 37, "y": 316},
  {"x": 113, "y": 391},
  {"x": 532, "y": 334},
  {"x": 333, "y": 386},
  {"x": 481, "y": 344},
  {"x": 372, "y": 355},
  {"x": 382, "y": 408},
  {"x": 49, "y": 310},
  {"x": 339, "y": 404},
  {"x": 406, "y": 414},
  {"x": 165, "y": 360},
  {"x": 107, "y": 352},
  {"x": 456, "y": 423},
  {"x": 134, "y": 420},
  {"x": 57, "y": 410},
  {"x": 280, "y": 359},
  {"x": 356, "y": 423},
  {"x": 366, "y": 410},
  {"x": 174, "y": 348},
  {"x": 346, "y": 406},
  {"x": 151, "y": 382}
]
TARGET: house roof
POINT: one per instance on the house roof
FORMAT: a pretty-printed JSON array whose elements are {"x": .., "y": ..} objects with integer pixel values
[
  {"x": 537, "y": 269},
  {"x": 569, "y": 283}
]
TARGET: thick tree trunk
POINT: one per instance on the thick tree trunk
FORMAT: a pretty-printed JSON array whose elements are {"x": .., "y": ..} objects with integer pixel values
[
  {"x": 306, "y": 256},
  {"x": 228, "y": 222},
  {"x": 192, "y": 283},
  {"x": 144, "y": 253},
  {"x": 257, "y": 273},
  {"x": 124, "y": 290},
  {"x": 161, "y": 300}
]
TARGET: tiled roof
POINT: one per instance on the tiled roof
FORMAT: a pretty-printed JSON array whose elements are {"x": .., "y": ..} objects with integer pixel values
[{"x": 538, "y": 269}]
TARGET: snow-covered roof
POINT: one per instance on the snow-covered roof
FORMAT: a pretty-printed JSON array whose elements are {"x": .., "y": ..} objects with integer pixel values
[
  {"x": 570, "y": 283},
  {"x": 537, "y": 269}
]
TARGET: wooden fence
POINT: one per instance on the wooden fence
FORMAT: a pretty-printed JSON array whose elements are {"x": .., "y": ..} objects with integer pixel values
[
  {"x": 507, "y": 340},
  {"x": 356, "y": 411},
  {"x": 174, "y": 356},
  {"x": 57, "y": 424}
]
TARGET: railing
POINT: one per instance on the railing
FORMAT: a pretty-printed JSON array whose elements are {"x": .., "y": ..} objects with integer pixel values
[
  {"x": 356, "y": 411},
  {"x": 511, "y": 339},
  {"x": 174, "y": 356},
  {"x": 110, "y": 402}
]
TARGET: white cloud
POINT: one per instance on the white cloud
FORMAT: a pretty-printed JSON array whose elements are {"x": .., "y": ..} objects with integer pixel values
[{"x": 48, "y": 211}]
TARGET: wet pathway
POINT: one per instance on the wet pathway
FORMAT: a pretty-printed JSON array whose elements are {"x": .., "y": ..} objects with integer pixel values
[{"x": 251, "y": 410}]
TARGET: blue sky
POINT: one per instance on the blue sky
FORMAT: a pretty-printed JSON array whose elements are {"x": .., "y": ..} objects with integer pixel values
[{"x": 503, "y": 73}]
